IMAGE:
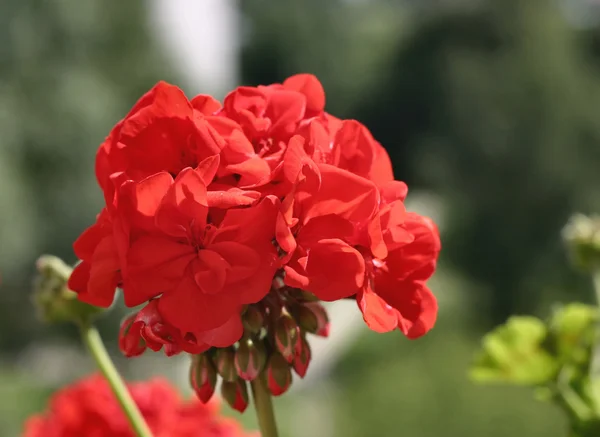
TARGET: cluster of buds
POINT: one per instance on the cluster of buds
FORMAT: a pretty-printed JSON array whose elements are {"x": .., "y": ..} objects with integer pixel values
[{"x": 273, "y": 345}]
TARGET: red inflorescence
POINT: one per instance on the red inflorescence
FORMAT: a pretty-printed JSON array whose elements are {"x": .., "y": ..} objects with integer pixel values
[
  {"x": 88, "y": 408},
  {"x": 212, "y": 207}
]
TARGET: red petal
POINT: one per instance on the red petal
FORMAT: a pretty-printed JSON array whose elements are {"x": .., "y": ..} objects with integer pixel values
[
  {"x": 298, "y": 167},
  {"x": 207, "y": 169},
  {"x": 295, "y": 275},
  {"x": 324, "y": 227},
  {"x": 190, "y": 310},
  {"x": 419, "y": 255},
  {"x": 225, "y": 335},
  {"x": 378, "y": 315},
  {"x": 310, "y": 86},
  {"x": 356, "y": 147},
  {"x": 155, "y": 265},
  {"x": 210, "y": 271},
  {"x": 104, "y": 276},
  {"x": 393, "y": 190},
  {"x": 381, "y": 171},
  {"x": 149, "y": 192},
  {"x": 285, "y": 109},
  {"x": 335, "y": 270},
  {"x": 163, "y": 101},
  {"x": 345, "y": 194},
  {"x": 184, "y": 203},
  {"x": 205, "y": 104},
  {"x": 138, "y": 202},
  {"x": 254, "y": 171},
  {"x": 418, "y": 309},
  {"x": 79, "y": 282},
  {"x": 85, "y": 245},
  {"x": 227, "y": 197},
  {"x": 243, "y": 260},
  {"x": 258, "y": 285},
  {"x": 262, "y": 216}
]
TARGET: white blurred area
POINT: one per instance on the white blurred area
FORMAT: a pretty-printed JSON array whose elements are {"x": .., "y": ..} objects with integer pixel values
[{"x": 202, "y": 39}]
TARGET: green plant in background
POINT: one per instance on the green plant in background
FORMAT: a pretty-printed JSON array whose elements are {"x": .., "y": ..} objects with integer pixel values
[{"x": 559, "y": 356}]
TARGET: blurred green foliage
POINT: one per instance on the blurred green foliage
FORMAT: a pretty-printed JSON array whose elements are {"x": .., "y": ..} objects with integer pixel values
[
  {"x": 490, "y": 105},
  {"x": 553, "y": 357}
]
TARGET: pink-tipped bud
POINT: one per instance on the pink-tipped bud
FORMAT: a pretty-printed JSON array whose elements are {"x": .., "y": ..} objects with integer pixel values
[
  {"x": 312, "y": 317},
  {"x": 203, "y": 377},
  {"x": 286, "y": 337},
  {"x": 279, "y": 375},
  {"x": 253, "y": 319},
  {"x": 131, "y": 342},
  {"x": 302, "y": 357},
  {"x": 250, "y": 358},
  {"x": 225, "y": 363},
  {"x": 235, "y": 394}
]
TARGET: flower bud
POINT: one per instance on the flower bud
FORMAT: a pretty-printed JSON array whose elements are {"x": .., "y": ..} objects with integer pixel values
[
  {"x": 302, "y": 295},
  {"x": 131, "y": 342},
  {"x": 279, "y": 375},
  {"x": 55, "y": 302},
  {"x": 302, "y": 357},
  {"x": 253, "y": 319},
  {"x": 203, "y": 377},
  {"x": 225, "y": 363},
  {"x": 582, "y": 237},
  {"x": 312, "y": 317},
  {"x": 250, "y": 359},
  {"x": 286, "y": 337},
  {"x": 236, "y": 394},
  {"x": 272, "y": 307}
]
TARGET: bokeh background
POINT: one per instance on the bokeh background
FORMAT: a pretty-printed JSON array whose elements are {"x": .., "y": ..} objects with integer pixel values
[{"x": 490, "y": 110}]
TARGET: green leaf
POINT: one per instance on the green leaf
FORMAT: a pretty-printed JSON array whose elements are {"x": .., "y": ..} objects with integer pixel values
[
  {"x": 573, "y": 328},
  {"x": 514, "y": 353}
]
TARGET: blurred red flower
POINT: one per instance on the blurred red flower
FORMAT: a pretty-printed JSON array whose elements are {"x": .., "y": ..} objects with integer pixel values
[{"x": 88, "y": 408}]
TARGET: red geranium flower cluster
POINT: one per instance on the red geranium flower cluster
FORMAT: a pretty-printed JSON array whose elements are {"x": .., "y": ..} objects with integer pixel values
[
  {"x": 212, "y": 207},
  {"x": 89, "y": 408}
]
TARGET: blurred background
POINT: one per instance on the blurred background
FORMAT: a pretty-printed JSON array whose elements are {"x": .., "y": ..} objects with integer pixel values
[{"x": 489, "y": 110}]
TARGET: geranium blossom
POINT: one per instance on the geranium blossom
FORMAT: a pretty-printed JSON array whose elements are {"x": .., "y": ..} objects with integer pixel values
[
  {"x": 88, "y": 408},
  {"x": 266, "y": 197}
]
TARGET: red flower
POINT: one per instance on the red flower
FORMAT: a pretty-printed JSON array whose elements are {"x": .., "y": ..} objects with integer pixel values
[
  {"x": 204, "y": 271},
  {"x": 381, "y": 253},
  {"x": 395, "y": 296},
  {"x": 162, "y": 132},
  {"x": 209, "y": 205},
  {"x": 88, "y": 408}
]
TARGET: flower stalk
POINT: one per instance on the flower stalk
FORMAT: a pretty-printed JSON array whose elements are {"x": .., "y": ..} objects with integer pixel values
[
  {"x": 93, "y": 342},
  {"x": 263, "y": 406}
]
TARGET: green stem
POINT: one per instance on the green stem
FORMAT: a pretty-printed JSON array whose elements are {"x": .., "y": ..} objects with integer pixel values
[
  {"x": 94, "y": 343},
  {"x": 264, "y": 407},
  {"x": 571, "y": 399}
]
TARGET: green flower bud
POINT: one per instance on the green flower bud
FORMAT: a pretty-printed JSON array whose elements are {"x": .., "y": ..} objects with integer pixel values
[
  {"x": 203, "y": 377},
  {"x": 250, "y": 359},
  {"x": 286, "y": 337},
  {"x": 312, "y": 317},
  {"x": 235, "y": 394},
  {"x": 582, "y": 237},
  {"x": 279, "y": 375},
  {"x": 225, "y": 363},
  {"x": 54, "y": 301},
  {"x": 253, "y": 319}
]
